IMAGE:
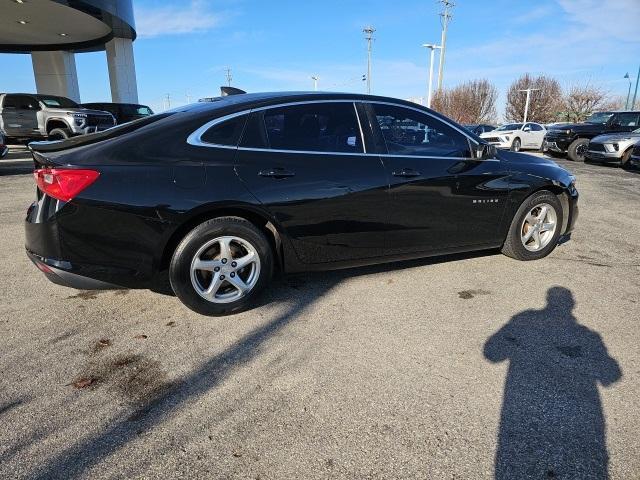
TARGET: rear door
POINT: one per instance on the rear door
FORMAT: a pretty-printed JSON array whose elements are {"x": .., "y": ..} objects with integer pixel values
[
  {"x": 19, "y": 115},
  {"x": 307, "y": 164},
  {"x": 441, "y": 196},
  {"x": 537, "y": 133}
]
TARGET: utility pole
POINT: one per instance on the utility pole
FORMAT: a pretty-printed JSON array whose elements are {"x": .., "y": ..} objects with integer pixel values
[
  {"x": 445, "y": 16},
  {"x": 315, "y": 79},
  {"x": 433, "y": 48},
  {"x": 168, "y": 98},
  {"x": 188, "y": 95},
  {"x": 635, "y": 93},
  {"x": 526, "y": 105},
  {"x": 626, "y": 104},
  {"x": 368, "y": 35},
  {"x": 228, "y": 75}
]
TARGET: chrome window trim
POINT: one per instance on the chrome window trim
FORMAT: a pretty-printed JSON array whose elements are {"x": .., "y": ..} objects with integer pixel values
[
  {"x": 364, "y": 147},
  {"x": 195, "y": 137}
]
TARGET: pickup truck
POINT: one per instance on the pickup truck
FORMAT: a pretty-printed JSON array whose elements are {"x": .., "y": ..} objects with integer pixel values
[
  {"x": 572, "y": 139},
  {"x": 27, "y": 116}
]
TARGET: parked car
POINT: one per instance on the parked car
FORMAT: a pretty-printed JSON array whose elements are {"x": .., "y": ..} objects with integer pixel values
[
  {"x": 4, "y": 147},
  {"x": 572, "y": 139},
  {"x": 612, "y": 147},
  {"x": 479, "y": 128},
  {"x": 517, "y": 136},
  {"x": 223, "y": 193},
  {"x": 122, "y": 112},
  {"x": 26, "y": 115},
  {"x": 634, "y": 159}
]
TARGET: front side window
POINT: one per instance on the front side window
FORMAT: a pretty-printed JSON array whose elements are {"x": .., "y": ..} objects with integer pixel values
[
  {"x": 409, "y": 132},
  {"x": 225, "y": 133},
  {"x": 535, "y": 127},
  {"x": 627, "y": 119},
  {"x": 312, "y": 127}
]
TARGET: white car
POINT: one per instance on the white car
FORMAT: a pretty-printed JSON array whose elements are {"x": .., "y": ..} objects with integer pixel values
[{"x": 517, "y": 136}]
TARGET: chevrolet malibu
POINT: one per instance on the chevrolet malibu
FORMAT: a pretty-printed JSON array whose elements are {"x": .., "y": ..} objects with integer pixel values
[{"x": 223, "y": 193}]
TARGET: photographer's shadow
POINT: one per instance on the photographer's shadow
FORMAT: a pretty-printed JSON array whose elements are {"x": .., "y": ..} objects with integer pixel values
[{"x": 552, "y": 423}]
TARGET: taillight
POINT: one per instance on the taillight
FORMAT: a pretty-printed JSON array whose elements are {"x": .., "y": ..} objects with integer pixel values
[{"x": 64, "y": 184}]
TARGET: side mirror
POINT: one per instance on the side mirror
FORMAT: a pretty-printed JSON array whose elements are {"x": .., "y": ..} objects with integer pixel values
[
  {"x": 526, "y": 129},
  {"x": 486, "y": 152}
]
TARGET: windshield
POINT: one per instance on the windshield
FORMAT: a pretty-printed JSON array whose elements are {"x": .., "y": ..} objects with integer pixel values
[
  {"x": 599, "y": 117},
  {"x": 58, "y": 102},
  {"x": 509, "y": 126}
]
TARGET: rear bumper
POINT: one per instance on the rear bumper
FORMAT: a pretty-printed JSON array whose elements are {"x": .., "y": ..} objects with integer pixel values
[{"x": 59, "y": 272}]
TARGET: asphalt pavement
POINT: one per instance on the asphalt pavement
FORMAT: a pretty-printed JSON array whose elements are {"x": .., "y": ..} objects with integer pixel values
[{"x": 474, "y": 366}]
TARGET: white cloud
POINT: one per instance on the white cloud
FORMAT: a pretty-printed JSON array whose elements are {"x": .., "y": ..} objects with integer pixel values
[
  {"x": 613, "y": 18},
  {"x": 188, "y": 17}
]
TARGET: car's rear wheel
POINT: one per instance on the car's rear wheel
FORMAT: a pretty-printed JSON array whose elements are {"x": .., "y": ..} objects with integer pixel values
[
  {"x": 59, "y": 134},
  {"x": 516, "y": 145},
  {"x": 221, "y": 266},
  {"x": 535, "y": 228},
  {"x": 578, "y": 149}
]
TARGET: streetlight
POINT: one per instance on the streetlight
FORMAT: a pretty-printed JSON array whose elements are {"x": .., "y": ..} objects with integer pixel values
[
  {"x": 432, "y": 47},
  {"x": 626, "y": 104},
  {"x": 315, "y": 79},
  {"x": 526, "y": 105}
]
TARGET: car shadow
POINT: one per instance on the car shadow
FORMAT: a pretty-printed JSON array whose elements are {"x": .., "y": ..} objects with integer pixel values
[
  {"x": 166, "y": 402},
  {"x": 18, "y": 161},
  {"x": 552, "y": 423}
]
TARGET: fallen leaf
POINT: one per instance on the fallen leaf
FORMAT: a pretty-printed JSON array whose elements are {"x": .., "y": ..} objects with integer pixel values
[
  {"x": 83, "y": 382},
  {"x": 141, "y": 337},
  {"x": 171, "y": 324}
]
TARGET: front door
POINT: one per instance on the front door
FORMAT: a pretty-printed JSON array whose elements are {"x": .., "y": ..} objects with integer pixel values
[
  {"x": 441, "y": 197},
  {"x": 306, "y": 164}
]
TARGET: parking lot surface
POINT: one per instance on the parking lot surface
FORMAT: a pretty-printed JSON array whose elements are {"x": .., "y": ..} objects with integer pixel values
[{"x": 471, "y": 367}]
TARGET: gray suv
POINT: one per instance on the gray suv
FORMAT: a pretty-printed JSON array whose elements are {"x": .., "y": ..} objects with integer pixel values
[
  {"x": 613, "y": 147},
  {"x": 26, "y": 115}
]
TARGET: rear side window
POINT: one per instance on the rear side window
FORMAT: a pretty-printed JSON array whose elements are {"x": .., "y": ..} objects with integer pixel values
[
  {"x": 311, "y": 127},
  {"x": 20, "y": 102},
  {"x": 412, "y": 133},
  {"x": 225, "y": 133}
]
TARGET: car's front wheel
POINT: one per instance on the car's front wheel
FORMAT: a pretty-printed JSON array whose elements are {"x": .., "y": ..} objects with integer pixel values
[
  {"x": 221, "y": 266},
  {"x": 535, "y": 228},
  {"x": 516, "y": 145},
  {"x": 59, "y": 134},
  {"x": 578, "y": 149}
]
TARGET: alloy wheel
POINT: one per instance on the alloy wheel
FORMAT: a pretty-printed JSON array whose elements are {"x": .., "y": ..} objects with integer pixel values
[
  {"x": 225, "y": 269},
  {"x": 538, "y": 227}
]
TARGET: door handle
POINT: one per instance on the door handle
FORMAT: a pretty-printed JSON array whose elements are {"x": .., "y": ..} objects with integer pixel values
[
  {"x": 406, "y": 172},
  {"x": 276, "y": 173}
]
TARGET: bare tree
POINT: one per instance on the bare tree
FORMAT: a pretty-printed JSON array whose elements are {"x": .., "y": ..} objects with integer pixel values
[
  {"x": 471, "y": 102},
  {"x": 582, "y": 100},
  {"x": 544, "y": 103}
]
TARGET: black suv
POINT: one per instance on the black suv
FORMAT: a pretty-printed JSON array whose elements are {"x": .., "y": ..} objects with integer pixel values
[
  {"x": 572, "y": 139},
  {"x": 123, "y": 112}
]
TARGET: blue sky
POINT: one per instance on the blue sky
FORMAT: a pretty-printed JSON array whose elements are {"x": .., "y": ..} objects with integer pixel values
[{"x": 184, "y": 46}]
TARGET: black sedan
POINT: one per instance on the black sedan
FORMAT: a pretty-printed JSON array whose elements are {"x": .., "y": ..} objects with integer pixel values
[
  {"x": 122, "y": 112},
  {"x": 224, "y": 193}
]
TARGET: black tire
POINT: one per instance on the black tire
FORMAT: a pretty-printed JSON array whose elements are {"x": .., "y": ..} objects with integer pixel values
[
  {"x": 180, "y": 267},
  {"x": 59, "y": 134},
  {"x": 577, "y": 149},
  {"x": 516, "y": 145},
  {"x": 626, "y": 156},
  {"x": 513, "y": 246}
]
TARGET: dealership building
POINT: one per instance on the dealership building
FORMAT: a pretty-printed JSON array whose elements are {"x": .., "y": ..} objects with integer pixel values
[{"x": 54, "y": 31}]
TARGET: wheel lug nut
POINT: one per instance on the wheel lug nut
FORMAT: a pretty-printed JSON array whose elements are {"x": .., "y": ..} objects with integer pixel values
[
  {"x": 232, "y": 274},
  {"x": 224, "y": 260},
  {"x": 221, "y": 277},
  {"x": 234, "y": 264},
  {"x": 216, "y": 269}
]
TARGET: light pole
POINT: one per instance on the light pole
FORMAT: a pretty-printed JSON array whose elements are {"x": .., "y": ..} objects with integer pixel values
[
  {"x": 635, "y": 93},
  {"x": 526, "y": 105},
  {"x": 315, "y": 82},
  {"x": 626, "y": 104},
  {"x": 446, "y": 16},
  {"x": 368, "y": 35},
  {"x": 432, "y": 47}
]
